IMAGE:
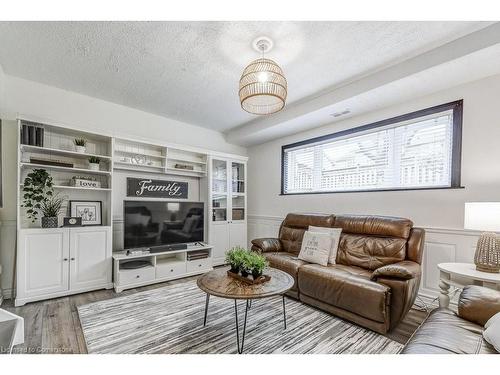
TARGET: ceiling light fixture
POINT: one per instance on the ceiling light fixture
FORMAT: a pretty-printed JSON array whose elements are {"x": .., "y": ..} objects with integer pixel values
[{"x": 263, "y": 87}]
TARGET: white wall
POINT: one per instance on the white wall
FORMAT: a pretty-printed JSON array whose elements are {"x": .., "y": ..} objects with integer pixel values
[
  {"x": 46, "y": 103},
  {"x": 441, "y": 209}
]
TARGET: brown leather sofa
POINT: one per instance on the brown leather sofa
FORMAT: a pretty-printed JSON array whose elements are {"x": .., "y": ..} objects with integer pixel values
[
  {"x": 377, "y": 275},
  {"x": 447, "y": 332}
]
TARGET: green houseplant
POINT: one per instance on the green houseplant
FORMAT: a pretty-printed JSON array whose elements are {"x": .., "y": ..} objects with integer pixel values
[
  {"x": 37, "y": 188},
  {"x": 235, "y": 258},
  {"x": 50, "y": 208},
  {"x": 255, "y": 264},
  {"x": 80, "y": 145},
  {"x": 94, "y": 163}
]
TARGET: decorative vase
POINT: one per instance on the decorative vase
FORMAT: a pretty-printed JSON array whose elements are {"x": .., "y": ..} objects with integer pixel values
[
  {"x": 49, "y": 222},
  {"x": 487, "y": 256},
  {"x": 234, "y": 269},
  {"x": 94, "y": 166},
  {"x": 80, "y": 149},
  {"x": 244, "y": 273}
]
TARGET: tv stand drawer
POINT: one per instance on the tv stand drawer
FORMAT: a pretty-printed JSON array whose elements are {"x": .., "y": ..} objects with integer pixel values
[
  {"x": 136, "y": 276},
  {"x": 199, "y": 264},
  {"x": 170, "y": 269}
]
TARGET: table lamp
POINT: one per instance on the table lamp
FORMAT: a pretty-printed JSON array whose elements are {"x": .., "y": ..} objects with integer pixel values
[{"x": 485, "y": 216}]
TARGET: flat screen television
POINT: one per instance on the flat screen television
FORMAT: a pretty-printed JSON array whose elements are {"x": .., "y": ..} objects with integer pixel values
[{"x": 159, "y": 224}]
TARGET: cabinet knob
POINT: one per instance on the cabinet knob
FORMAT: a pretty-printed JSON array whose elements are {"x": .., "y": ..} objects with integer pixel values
[
  {"x": 199, "y": 265},
  {"x": 72, "y": 258},
  {"x": 138, "y": 276},
  {"x": 171, "y": 270},
  {"x": 65, "y": 259}
]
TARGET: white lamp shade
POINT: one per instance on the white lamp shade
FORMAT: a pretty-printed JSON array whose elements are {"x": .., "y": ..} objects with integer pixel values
[{"x": 484, "y": 216}]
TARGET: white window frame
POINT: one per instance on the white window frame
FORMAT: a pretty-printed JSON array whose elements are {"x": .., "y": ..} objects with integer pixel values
[{"x": 455, "y": 107}]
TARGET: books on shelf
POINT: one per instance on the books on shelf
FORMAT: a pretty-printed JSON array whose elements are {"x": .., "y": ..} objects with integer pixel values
[
  {"x": 32, "y": 134},
  {"x": 198, "y": 254}
]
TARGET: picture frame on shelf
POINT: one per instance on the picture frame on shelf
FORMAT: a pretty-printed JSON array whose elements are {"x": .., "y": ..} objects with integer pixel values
[{"x": 89, "y": 211}]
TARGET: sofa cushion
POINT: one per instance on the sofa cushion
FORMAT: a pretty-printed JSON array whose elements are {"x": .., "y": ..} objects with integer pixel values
[
  {"x": 286, "y": 262},
  {"x": 445, "y": 333},
  {"x": 370, "y": 252},
  {"x": 316, "y": 247},
  {"x": 295, "y": 225},
  {"x": 382, "y": 226},
  {"x": 348, "y": 288}
]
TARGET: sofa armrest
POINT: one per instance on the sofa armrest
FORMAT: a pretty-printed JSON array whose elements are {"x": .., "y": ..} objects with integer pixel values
[
  {"x": 266, "y": 245},
  {"x": 478, "y": 304},
  {"x": 404, "y": 270}
]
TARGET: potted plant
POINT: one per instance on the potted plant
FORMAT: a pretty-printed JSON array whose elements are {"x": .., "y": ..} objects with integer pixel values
[
  {"x": 234, "y": 258},
  {"x": 37, "y": 188},
  {"x": 255, "y": 264},
  {"x": 80, "y": 145},
  {"x": 94, "y": 163},
  {"x": 50, "y": 208}
]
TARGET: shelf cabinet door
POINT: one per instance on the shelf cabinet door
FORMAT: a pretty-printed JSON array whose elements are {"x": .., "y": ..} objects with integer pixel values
[
  {"x": 219, "y": 239},
  {"x": 43, "y": 262},
  {"x": 90, "y": 257},
  {"x": 237, "y": 234}
]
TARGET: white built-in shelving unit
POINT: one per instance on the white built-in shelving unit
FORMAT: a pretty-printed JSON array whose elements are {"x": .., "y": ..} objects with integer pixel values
[{"x": 79, "y": 259}]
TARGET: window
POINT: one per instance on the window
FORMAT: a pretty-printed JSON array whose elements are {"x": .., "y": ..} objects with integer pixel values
[{"x": 419, "y": 150}]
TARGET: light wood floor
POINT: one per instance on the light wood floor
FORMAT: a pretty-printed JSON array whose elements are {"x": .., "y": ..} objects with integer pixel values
[{"x": 53, "y": 326}]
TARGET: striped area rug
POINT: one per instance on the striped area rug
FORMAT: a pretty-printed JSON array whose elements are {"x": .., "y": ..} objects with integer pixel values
[{"x": 170, "y": 320}]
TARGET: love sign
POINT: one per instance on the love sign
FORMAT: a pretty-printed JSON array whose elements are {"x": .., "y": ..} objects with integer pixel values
[{"x": 148, "y": 188}]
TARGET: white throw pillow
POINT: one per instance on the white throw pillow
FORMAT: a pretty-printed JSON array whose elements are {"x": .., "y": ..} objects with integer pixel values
[
  {"x": 335, "y": 233},
  {"x": 316, "y": 247},
  {"x": 492, "y": 331}
]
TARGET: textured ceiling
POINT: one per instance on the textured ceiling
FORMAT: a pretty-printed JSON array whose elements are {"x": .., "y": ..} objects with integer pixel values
[{"x": 189, "y": 71}]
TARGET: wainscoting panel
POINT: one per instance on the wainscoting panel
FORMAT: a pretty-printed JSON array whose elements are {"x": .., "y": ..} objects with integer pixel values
[{"x": 441, "y": 245}]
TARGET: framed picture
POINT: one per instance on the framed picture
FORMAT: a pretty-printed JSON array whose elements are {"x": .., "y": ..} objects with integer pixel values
[{"x": 89, "y": 211}]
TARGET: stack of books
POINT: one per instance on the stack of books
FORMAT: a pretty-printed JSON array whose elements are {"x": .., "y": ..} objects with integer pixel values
[{"x": 197, "y": 254}]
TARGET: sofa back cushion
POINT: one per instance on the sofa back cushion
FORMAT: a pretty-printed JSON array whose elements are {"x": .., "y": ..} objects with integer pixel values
[
  {"x": 371, "y": 242},
  {"x": 295, "y": 225}
]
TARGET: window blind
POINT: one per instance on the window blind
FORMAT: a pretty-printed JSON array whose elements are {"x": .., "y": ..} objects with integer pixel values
[{"x": 416, "y": 153}]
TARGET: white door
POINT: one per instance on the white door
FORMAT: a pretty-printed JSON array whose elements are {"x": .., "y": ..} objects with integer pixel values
[
  {"x": 219, "y": 239},
  {"x": 43, "y": 262},
  {"x": 90, "y": 257},
  {"x": 237, "y": 234}
]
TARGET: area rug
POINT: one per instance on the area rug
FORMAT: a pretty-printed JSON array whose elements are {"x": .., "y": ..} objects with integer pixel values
[{"x": 170, "y": 320}]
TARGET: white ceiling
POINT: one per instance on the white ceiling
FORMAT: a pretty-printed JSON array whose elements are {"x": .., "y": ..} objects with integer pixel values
[{"x": 189, "y": 71}]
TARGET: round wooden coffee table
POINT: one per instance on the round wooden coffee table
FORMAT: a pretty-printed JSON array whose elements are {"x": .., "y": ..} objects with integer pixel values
[{"x": 218, "y": 283}]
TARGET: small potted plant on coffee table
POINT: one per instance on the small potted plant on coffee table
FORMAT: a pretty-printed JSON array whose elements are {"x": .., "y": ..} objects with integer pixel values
[
  {"x": 94, "y": 163},
  {"x": 256, "y": 264},
  {"x": 234, "y": 258}
]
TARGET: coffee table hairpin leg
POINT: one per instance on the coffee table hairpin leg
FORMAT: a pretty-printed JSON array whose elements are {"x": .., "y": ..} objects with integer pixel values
[
  {"x": 284, "y": 311},
  {"x": 247, "y": 306},
  {"x": 206, "y": 310}
]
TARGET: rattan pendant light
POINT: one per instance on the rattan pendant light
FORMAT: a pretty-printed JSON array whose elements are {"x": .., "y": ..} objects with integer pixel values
[{"x": 263, "y": 87}]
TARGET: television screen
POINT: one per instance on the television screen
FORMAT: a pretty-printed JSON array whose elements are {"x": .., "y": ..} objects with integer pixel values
[{"x": 159, "y": 223}]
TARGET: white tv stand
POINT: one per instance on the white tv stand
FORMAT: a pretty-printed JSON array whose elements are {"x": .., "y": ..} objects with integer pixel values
[{"x": 164, "y": 266}]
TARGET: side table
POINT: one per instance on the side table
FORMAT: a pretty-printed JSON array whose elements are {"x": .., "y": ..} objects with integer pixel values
[{"x": 467, "y": 275}]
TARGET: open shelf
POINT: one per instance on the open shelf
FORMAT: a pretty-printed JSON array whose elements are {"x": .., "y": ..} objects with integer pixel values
[
  {"x": 55, "y": 151},
  {"x": 56, "y": 167},
  {"x": 123, "y": 163},
  {"x": 146, "y": 154},
  {"x": 185, "y": 172},
  {"x": 76, "y": 188},
  {"x": 188, "y": 160}
]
